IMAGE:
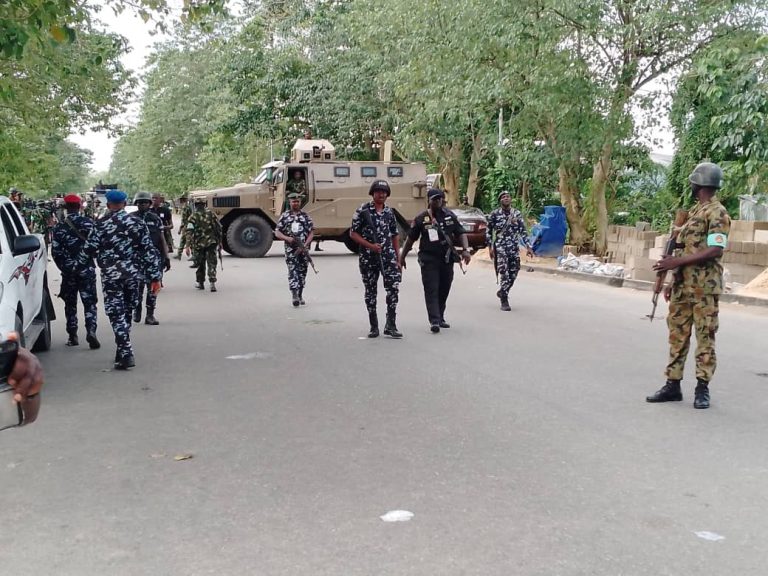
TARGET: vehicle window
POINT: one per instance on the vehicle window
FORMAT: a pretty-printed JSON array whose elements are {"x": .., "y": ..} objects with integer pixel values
[
  {"x": 395, "y": 171},
  {"x": 20, "y": 230},
  {"x": 341, "y": 171},
  {"x": 261, "y": 177},
  {"x": 278, "y": 177},
  {"x": 368, "y": 171},
  {"x": 10, "y": 231}
]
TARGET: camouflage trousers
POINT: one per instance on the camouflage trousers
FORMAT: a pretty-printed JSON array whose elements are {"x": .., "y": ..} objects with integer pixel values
[
  {"x": 84, "y": 285},
  {"x": 168, "y": 240},
  {"x": 297, "y": 271},
  {"x": 120, "y": 299},
  {"x": 508, "y": 266},
  {"x": 206, "y": 255},
  {"x": 370, "y": 272},
  {"x": 684, "y": 315},
  {"x": 151, "y": 298},
  {"x": 182, "y": 244}
]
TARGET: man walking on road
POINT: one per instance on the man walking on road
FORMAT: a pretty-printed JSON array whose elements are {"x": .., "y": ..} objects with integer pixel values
[
  {"x": 295, "y": 228},
  {"x": 374, "y": 228},
  {"x": 506, "y": 231},
  {"x": 436, "y": 229},
  {"x": 125, "y": 255},
  {"x": 143, "y": 201},
  {"x": 186, "y": 212},
  {"x": 69, "y": 238},
  {"x": 694, "y": 294},
  {"x": 204, "y": 239}
]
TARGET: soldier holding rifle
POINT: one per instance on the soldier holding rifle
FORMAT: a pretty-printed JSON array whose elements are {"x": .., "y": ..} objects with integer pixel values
[
  {"x": 296, "y": 229},
  {"x": 695, "y": 291}
]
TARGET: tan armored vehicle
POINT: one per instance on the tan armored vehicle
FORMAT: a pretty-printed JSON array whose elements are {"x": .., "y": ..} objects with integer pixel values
[{"x": 334, "y": 189}]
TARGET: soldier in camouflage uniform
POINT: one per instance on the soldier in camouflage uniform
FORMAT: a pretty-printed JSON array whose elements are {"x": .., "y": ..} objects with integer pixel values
[
  {"x": 42, "y": 221},
  {"x": 296, "y": 229},
  {"x": 204, "y": 238},
  {"x": 143, "y": 201},
  {"x": 69, "y": 238},
  {"x": 506, "y": 231},
  {"x": 186, "y": 212},
  {"x": 374, "y": 228},
  {"x": 125, "y": 255},
  {"x": 297, "y": 184},
  {"x": 698, "y": 282}
]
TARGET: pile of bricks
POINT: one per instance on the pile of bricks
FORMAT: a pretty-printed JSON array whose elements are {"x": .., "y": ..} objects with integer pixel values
[
  {"x": 747, "y": 252},
  {"x": 631, "y": 246}
]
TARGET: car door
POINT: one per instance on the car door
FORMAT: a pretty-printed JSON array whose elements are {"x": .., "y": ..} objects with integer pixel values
[{"x": 22, "y": 280}]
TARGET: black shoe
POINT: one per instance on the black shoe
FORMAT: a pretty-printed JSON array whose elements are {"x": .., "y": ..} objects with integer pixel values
[
  {"x": 670, "y": 392},
  {"x": 150, "y": 319},
  {"x": 200, "y": 286},
  {"x": 373, "y": 318},
  {"x": 295, "y": 300},
  {"x": 701, "y": 395},
  {"x": 73, "y": 341},
  {"x": 390, "y": 328},
  {"x": 444, "y": 324},
  {"x": 301, "y": 298},
  {"x": 125, "y": 363},
  {"x": 435, "y": 328},
  {"x": 93, "y": 342},
  {"x": 505, "y": 305},
  {"x": 213, "y": 287},
  {"x": 137, "y": 314}
]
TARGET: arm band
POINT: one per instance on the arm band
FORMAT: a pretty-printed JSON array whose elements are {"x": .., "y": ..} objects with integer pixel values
[{"x": 717, "y": 239}]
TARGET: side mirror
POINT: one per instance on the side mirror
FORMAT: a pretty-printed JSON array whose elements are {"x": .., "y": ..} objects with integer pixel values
[{"x": 25, "y": 244}]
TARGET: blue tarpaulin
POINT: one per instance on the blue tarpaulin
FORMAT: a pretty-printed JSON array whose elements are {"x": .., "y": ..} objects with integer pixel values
[{"x": 548, "y": 236}]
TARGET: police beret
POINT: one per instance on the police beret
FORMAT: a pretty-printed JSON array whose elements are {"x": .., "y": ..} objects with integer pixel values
[
  {"x": 435, "y": 192},
  {"x": 116, "y": 196},
  {"x": 502, "y": 193},
  {"x": 72, "y": 199},
  {"x": 294, "y": 196}
]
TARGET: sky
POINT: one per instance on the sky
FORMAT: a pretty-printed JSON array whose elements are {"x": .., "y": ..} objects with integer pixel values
[{"x": 141, "y": 41}]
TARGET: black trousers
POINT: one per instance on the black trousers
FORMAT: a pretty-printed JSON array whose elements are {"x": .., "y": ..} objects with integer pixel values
[{"x": 437, "y": 277}]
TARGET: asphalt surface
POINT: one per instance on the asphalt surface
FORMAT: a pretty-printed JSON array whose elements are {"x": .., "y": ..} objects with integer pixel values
[{"x": 520, "y": 442}]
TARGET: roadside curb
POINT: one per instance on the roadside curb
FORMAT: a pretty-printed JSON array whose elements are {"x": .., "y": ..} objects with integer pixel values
[{"x": 626, "y": 283}]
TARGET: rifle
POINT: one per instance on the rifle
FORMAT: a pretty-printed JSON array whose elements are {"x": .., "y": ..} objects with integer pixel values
[
  {"x": 680, "y": 218},
  {"x": 451, "y": 251},
  {"x": 301, "y": 249},
  {"x": 496, "y": 265},
  {"x": 221, "y": 259},
  {"x": 366, "y": 213}
]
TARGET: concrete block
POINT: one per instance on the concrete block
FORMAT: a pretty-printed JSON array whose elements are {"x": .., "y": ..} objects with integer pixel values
[
  {"x": 761, "y": 236},
  {"x": 660, "y": 241},
  {"x": 655, "y": 254},
  {"x": 733, "y": 246},
  {"x": 761, "y": 248},
  {"x": 748, "y": 247}
]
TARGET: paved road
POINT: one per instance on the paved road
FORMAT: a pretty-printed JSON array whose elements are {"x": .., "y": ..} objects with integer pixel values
[{"x": 521, "y": 442}]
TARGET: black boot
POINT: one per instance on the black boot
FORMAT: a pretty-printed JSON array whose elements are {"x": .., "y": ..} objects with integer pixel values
[
  {"x": 701, "y": 395},
  {"x": 125, "y": 363},
  {"x": 93, "y": 342},
  {"x": 390, "y": 328},
  {"x": 373, "y": 318},
  {"x": 295, "y": 300},
  {"x": 137, "y": 314},
  {"x": 150, "y": 319},
  {"x": 213, "y": 287},
  {"x": 200, "y": 286},
  {"x": 301, "y": 297},
  {"x": 73, "y": 341},
  {"x": 505, "y": 304},
  {"x": 670, "y": 392}
]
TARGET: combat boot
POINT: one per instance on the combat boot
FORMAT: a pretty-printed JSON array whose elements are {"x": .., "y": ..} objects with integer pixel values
[
  {"x": 213, "y": 287},
  {"x": 301, "y": 297},
  {"x": 670, "y": 392},
  {"x": 200, "y": 286},
  {"x": 125, "y": 363},
  {"x": 390, "y": 328},
  {"x": 73, "y": 341},
  {"x": 93, "y": 342},
  {"x": 505, "y": 304},
  {"x": 373, "y": 318},
  {"x": 701, "y": 395},
  {"x": 295, "y": 298},
  {"x": 137, "y": 314},
  {"x": 150, "y": 319}
]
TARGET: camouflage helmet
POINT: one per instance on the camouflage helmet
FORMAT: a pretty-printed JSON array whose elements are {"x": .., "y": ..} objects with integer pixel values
[
  {"x": 142, "y": 196},
  {"x": 382, "y": 185},
  {"x": 707, "y": 175}
]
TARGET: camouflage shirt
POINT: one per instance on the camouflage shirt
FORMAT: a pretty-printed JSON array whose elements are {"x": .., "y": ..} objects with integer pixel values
[
  {"x": 509, "y": 228},
  {"x": 296, "y": 187},
  {"x": 203, "y": 229},
  {"x": 186, "y": 212},
  {"x": 385, "y": 224},
  {"x": 67, "y": 245},
  {"x": 704, "y": 278},
  {"x": 296, "y": 224}
]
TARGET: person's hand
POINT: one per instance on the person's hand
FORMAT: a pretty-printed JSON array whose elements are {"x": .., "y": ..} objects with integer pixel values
[
  {"x": 376, "y": 248},
  {"x": 529, "y": 252},
  {"x": 667, "y": 293},
  {"x": 187, "y": 251},
  {"x": 401, "y": 262},
  {"x": 167, "y": 265},
  {"x": 155, "y": 286},
  {"x": 666, "y": 263},
  {"x": 26, "y": 379},
  {"x": 466, "y": 257}
]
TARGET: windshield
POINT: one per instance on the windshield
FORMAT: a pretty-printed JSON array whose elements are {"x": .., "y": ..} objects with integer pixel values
[{"x": 263, "y": 175}]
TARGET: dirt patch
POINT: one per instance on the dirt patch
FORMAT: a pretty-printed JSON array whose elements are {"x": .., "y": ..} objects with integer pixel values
[{"x": 758, "y": 286}]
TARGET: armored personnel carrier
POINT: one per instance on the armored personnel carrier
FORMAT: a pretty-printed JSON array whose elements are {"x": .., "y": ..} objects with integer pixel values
[{"x": 334, "y": 189}]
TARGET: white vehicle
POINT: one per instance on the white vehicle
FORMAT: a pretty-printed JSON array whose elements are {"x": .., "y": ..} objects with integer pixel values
[{"x": 25, "y": 301}]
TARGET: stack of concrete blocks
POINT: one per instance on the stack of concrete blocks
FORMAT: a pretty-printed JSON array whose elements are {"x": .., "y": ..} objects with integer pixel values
[
  {"x": 630, "y": 246},
  {"x": 747, "y": 254}
]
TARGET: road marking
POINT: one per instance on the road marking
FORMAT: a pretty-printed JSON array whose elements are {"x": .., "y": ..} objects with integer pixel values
[{"x": 397, "y": 516}]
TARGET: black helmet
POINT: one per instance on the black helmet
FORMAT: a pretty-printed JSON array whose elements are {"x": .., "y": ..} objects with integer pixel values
[
  {"x": 145, "y": 196},
  {"x": 379, "y": 185},
  {"x": 707, "y": 175},
  {"x": 200, "y": 200}
]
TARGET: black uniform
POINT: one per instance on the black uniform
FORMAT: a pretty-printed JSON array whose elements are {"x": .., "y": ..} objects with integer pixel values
[{"x": 436, "y": 258}]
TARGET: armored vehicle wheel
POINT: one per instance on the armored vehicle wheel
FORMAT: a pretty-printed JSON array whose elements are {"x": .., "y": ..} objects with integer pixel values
[
  {"x": 225, "y": 244},
  {"x": 249, "y": 236},
  {"x": 351, "y": 245}
]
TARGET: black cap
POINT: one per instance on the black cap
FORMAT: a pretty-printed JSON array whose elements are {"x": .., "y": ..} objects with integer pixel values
[
  {"x": 434, "y": 192},
  {"x": 382, "y": 185}
]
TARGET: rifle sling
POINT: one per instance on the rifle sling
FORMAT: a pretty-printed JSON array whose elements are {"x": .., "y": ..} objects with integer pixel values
[{"x": 74, "y": 229}]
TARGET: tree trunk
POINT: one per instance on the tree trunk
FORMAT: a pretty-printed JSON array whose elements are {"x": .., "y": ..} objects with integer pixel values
[
  {"x": 569, "y": 195},
  {"x": 600, "y": 174},
  {"x": 525, "y": 192},
  {"x": 474, "y": 170},
  {"x": 452, "y": 172}
]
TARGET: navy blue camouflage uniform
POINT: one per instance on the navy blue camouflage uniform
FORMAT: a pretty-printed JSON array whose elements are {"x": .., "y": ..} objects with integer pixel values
[
  {"x": 371, "y": 265},
  {"x": 510, "y": 232},
  {"x": 155, "y": 226},
  {"x": 76, "y": 277},
  {"x": 124, "y": 252},
  {"x": 298, "y": 225}
]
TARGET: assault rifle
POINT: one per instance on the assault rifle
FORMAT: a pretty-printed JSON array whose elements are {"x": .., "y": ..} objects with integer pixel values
[
  {"x": 302, "y": 249},
  {"x": 680, "y": 218},
  {"x": 451, "y": 252},
  {"x": 221, "y": 259},
  {"x": 366, "y": 213}
]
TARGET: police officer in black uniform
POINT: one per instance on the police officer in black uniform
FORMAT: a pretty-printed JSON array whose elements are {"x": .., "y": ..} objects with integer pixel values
[
  {"x": 436, "y": 229},
  {"x": 143, "y": 200}
]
